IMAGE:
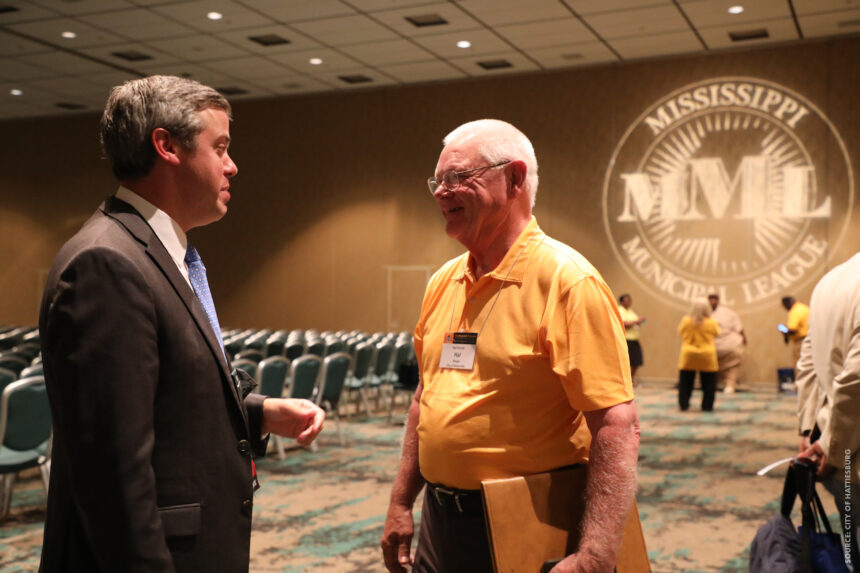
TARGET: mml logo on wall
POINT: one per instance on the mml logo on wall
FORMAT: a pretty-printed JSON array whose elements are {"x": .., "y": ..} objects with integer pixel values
[{"x": 731, "y": 185}]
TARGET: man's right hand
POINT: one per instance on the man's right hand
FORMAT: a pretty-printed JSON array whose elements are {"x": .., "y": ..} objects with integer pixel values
[{"x": 397, "y": 538}]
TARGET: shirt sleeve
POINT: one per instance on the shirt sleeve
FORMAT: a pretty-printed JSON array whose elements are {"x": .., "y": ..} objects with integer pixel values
[
  {"x": 588, "y": 350},
  {"x": 841, "y": 437}
]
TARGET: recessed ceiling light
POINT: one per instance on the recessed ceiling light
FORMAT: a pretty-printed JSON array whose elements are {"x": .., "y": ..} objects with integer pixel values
[
  {"x": 464, "y": 44},
  {"x": 214, "y": 15},
  {"x": 736, "y": 9},
  {"x": 16, "y": 92},
  {"x": 69, "y": 35},
  {"x": 315, "y": 61}
]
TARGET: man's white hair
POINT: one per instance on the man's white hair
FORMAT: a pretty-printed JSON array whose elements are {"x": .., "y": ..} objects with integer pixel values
[{"x": 499, "y": 141}]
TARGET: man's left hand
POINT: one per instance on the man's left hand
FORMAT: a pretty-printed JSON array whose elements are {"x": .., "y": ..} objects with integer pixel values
[
  {"x": 817, "y": 457},
  {"x": 293, "y": 418},
  {"x": 581, "y": 563}
]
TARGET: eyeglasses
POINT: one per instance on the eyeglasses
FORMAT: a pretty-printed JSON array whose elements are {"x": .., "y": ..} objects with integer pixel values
[{"x": 451, "y": 179}]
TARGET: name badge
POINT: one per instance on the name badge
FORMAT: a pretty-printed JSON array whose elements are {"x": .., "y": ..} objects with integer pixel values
[{"x": 458, "y": 350}]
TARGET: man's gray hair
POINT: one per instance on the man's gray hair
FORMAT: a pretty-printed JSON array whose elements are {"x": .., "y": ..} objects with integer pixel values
[
  {"x": 137, "y": 107},
  {"x": 499, "y": 141}
]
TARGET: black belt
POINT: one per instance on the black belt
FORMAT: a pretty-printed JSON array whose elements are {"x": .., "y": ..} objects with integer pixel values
[{"x": 466, "y": 501}]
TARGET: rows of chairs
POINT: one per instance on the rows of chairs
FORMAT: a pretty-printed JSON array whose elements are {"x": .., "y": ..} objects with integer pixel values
[
  {"x": 25, "y": 414},
  {"x": 337, "y": 370}
]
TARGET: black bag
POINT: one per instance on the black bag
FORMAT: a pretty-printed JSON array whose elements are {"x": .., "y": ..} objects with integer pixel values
[{"x": 776, "y": 547}]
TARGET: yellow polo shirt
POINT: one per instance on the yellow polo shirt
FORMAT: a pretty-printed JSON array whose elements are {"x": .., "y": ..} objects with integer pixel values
[
  {"x": 798, "y": 319},
  {"x": 698, "y": 351},
  {"x": 553, "y": 346}
]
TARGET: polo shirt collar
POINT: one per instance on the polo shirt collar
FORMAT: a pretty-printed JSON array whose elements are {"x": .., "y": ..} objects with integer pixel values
[{"x": 527, "y": 241}]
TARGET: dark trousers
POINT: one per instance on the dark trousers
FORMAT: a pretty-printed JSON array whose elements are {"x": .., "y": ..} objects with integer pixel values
[
  {"x": 685, "y": 388},
  {"x": 450, "y": 541}
]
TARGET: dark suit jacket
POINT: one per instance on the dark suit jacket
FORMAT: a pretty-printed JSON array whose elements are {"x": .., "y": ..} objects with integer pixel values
[{"x": 151, "y": 465}]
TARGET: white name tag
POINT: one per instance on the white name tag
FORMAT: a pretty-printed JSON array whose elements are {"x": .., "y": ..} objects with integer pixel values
[{"x": 458, "y": 350}]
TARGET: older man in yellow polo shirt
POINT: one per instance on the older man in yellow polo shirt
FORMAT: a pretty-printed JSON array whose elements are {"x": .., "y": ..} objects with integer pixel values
[{"x": 523, "y": 365}]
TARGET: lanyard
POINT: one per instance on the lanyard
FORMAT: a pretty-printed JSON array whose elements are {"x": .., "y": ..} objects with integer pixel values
[{"x": 498, "y": 294}]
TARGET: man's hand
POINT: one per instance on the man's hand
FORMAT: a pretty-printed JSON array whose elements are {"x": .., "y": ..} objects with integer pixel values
[
  {"x": 818, "y": 458},
  {"x": 581, "y": 563},
  {"x": 293, "y": 418},
  {"x": 397, "y": 538}
]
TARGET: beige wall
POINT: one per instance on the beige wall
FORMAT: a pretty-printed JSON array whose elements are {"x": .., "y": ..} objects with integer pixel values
[{"x": 331, "y": 225}]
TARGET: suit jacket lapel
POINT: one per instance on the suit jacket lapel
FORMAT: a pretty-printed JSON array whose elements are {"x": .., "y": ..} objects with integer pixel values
[{"x": 129, "y": 218}]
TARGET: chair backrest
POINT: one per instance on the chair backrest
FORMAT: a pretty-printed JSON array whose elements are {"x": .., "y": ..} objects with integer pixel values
[
  {"x": 6, "y": 377},
  {"x": 294, "y": 350},
  {"x": 271, "y": 374},
  {"x": 249, "y": 354},
  {"x": 304, "y": 375},
  {"x": 28, "y": 350},
  {"x": 234, "y": 345},
  {"x": 275, "y": 345},
  {"x": 363, "y": 358},
  {"x": 335, "y": 369},
  {"x": 34, "y": 370},
  {"x": 248, "y": 366},
  {"x": 384, "y": 358},
  {"x": 25, "y": 414},
  {"x": 13, "y": 363},
  {"x": 335, "y": 346},
  {"x": 402, "y": 353},
  {"x": 316, "y": 347}
]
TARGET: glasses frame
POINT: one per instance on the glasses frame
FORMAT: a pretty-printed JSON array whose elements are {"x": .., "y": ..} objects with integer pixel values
[{"x": 451, "y": 179}]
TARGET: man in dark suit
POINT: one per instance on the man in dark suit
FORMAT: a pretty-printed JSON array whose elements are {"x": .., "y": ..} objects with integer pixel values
[{"x": 152, "y": 467}]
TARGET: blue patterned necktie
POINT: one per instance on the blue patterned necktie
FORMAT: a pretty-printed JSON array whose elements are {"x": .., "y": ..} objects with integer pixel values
[{"x": 197, "y": 274}]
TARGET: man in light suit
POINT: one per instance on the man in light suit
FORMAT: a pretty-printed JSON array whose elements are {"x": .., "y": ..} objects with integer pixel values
[{"x": 153, "y": 439}]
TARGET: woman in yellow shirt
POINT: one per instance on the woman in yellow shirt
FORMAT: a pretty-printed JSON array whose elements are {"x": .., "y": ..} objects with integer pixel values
[{"x": 698, "y": 353}]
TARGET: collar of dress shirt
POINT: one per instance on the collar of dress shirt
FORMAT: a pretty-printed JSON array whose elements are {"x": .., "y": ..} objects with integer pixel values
[{"x": 165, "y": 228}]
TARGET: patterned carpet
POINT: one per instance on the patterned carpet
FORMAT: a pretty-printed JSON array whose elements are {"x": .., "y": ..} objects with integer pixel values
[{"x": 699, "y": 497}]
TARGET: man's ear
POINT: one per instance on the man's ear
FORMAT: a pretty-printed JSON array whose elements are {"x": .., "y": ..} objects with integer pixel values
[
  {"x": 165, "y": 145},
  {"x": 518, "y": 178}
]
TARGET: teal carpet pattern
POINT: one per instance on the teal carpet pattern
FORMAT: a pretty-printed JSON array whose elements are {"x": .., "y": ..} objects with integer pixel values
[{"x": 699, "y": 498}]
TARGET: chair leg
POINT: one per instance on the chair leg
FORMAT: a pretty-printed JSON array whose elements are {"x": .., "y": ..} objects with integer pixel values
[
  {"x": 391, "y": 405},
  {"x": 279, "y": 446},
  {"x": 45, "y": 469},
  {"x": 6, "y": 494},
  {"x": 364, "y": 400},
  {"x": 337, "y": 425}
]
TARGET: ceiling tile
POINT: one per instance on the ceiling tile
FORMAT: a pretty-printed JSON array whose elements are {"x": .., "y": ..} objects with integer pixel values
[
  {"x": 345, "y": 30},
  {"x": 77, "y": 7},
  {"x": 195, "y": 72},
  {"x": 659, "y": 45},
  {"x": 290, "y": 11},
  {"x": 388, "y": 53},
  {"x": 62, "y": 63},
  {"x": 50, "y": 30},
  {"x": 377, "y": 78},
  {"x": 31, "y": 93},
  {"x": 573, "y": 55},
  {"x": 714, "y": 13},
  {"x": 639, "y": 22},
  {"x": 424, "y": 72},
  {"x": 200, "y": 48},
  {"x": 445, "y": 45},
  {"x": 297, "y": 40},
  {"x": 502, "y": 12},
  {"x": 106, "y": 54},
  {"x": 331, "y": 61},
  {"x": 26, "y": 12},
  {"x": 804, "y": 7},
  {"x": 471, "y": 65},
  {"x": 586, "y": 7},
  {"x": 138, "y": 24},
  {"x": 293, "y": 84},
  {"x": 378, "y": 5},
  {"x": 456, "y": 20},
  {"x": 193, "y": 14},
  {"x": 12, "y": 45},
  {"x": 107, "y": 80},
  {"x": 251, "y": 68},
  {"x": 68, "y": 88},
  {"x": 778, "y": 31},
  {"x": 568, "y": 30},
  {"x": 17, "y": 70},
  {"x": 831, "y": 24}
]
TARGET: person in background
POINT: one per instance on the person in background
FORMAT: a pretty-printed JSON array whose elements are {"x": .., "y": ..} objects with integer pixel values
[
  {"x": 698, "y": 354},
  {"x": 523, "y": 365},
  {"x": 730, "y": 343},
  {"x": 828, "y": 394},
  {"x": 797, "y": 325},
  {"x": 631, "y": 322}
]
